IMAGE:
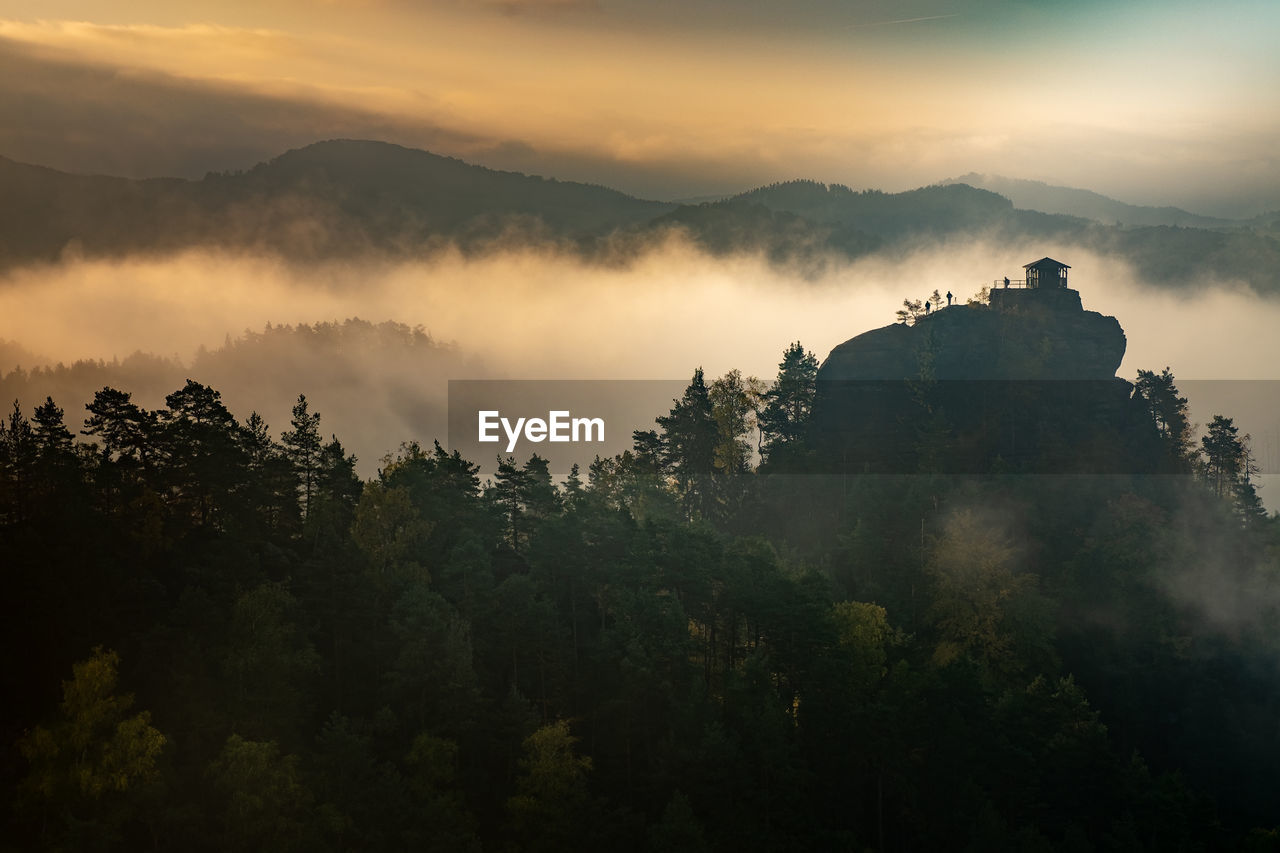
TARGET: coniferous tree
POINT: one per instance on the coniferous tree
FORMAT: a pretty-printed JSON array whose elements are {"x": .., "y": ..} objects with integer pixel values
[
  {"x": 204, "y": 458},
  {"x": 1168, "y": 413},
  {"x": 790, "y": 401},
  {"x": 1224, "y": 456},
  {"x": 573, "y": 487},
  {"x": 303, "y": 448},
  {"x": 1229, "y": 468},
  {"x": 49, "y": 430},
  {"x": 337, "y": 491},
  {"x": 689, "y": 439},
  {"x": 17, "y": 460},
  {"x": 538, "y": 496},
  {"x": 648, "y": 449},
  {"x": 57, "y": 470},
  {"x": 272, "y": 495},
  {"x": 510, "y": 488},
  {"x": 911, "y": 310},
  {"x": 368, "y": 685},
  {"x": 125, "y": 429}
]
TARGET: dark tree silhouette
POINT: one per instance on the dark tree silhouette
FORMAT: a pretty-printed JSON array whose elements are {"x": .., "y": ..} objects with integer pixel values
[
  {"x": 1168, "y": 413},
  {"x": 689, "y": 439},
  {"x": 785, "y": 418},
  {"x": 304, "y": 449}
]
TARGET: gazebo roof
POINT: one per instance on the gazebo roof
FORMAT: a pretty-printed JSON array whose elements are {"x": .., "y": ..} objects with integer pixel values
[{"x": 1046, "y": 262}]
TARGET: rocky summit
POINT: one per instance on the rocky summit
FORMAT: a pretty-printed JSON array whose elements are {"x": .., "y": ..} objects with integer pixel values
[
  {"x": 1023, "y": 334},
  {"x": 1024, "y": 384}
]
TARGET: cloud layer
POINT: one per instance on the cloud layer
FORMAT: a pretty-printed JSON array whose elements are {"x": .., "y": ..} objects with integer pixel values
[{"x": 676, "y": 103}]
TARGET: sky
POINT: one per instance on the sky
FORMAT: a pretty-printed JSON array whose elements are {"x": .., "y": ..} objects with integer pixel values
[{"x": 1151, "y": 102}]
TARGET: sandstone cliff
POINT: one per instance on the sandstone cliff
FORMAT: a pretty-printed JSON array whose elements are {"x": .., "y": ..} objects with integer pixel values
[
  {"x": 1026, "y": 384},
  {"x": 1023, "y": 334}
]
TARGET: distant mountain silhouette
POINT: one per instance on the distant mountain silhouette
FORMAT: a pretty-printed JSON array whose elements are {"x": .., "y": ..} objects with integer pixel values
[
  {"x": 348, "y": 199},
  {"x": 333, "y": 198},
  {"x": 1047, "y": 198},
  {"x": 931, "y": 210}
]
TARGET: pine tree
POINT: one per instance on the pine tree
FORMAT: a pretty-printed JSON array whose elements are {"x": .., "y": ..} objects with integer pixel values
[
  {"x": 303, "y": 448},
  {"x": 204, "y": 460},
  {"x": 689, "y": 439},
  {"x": 273, "y": 487},
  {"x": 1224, "y": 456},
  {"x": 126, "y": 430},
  {"x": 538, "y": 496},
  {"x": 1168, "y": 413},
  {"x": 336, "y": 494},
  {"x": 790, "y": 401},
  {"x": 509, "y": 490},
  {"x": 50, "y": 432},
  {"x": 17, "y": 460},
  {"x": 573, "y": 488}
]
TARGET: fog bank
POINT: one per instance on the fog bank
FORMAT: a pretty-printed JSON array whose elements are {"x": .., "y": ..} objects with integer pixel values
[{"x": 526, "y": 314}]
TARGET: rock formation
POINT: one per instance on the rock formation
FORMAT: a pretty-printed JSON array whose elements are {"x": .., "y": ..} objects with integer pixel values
[{"x": 1025, "y": 384}]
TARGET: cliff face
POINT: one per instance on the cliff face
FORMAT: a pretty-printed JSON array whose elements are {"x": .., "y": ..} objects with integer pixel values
[
  {"x": 1026, "y": 384},
  {"x": 1023, "y": 335}
]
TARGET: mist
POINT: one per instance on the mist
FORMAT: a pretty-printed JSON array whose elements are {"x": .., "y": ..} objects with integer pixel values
[{"x": 533, "y": 314}]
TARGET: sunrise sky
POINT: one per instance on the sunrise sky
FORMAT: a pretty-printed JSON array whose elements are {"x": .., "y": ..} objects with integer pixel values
[{"x": 1168, "y": 102}]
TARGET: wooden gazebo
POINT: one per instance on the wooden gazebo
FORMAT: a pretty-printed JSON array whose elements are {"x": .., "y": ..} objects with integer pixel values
[{"x": 1046, "y": 272}]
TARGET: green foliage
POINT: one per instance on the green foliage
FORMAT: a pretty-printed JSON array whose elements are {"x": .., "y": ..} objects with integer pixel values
[
  {"x": 1168, "y": 413},
  {"x": 390, "y": 531},
  {"x": 864, "y": 635},
  {"x": 750, "y": 660},
  {"x": 265, "y": 800},
  {"x": 785, "y": 419},
  {"x": 1224, "y": 455},
  {"x": 983, "y": 608},
  {"x": 690, "y": 436},
  {"x": 1229, "y": 467},
  {"x": 268, "y": 662},
  {"x": 551, "y": 799},
  {"x": 87, "y": 767}
]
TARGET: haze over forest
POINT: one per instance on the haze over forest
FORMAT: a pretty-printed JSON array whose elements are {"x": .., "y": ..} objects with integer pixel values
[
  {"x": 507, "y": 275},
  {"x": 166, "y": 189}
]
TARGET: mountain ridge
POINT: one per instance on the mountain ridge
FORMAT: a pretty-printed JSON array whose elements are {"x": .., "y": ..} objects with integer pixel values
[
  {"x": 1075, "y": 201},
  {"x": 347, "y": 199}
]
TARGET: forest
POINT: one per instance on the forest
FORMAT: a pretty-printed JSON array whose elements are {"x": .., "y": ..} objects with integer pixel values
[{"x": 218, "y": 637}]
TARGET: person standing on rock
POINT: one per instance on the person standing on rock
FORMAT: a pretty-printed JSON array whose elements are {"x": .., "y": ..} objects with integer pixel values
[{"x": 948, "y": 298}]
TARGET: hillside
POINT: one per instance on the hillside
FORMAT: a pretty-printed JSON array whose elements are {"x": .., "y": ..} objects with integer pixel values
[
  {"x": 348, "y": 199},
  {"x": 928, "y": 210},
  {"x": 336, "y": 198},
  {"x": 1047, "y": 198}
]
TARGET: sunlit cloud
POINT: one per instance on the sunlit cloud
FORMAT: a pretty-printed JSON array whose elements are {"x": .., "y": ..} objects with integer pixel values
[{"x": 665, "y": 103}]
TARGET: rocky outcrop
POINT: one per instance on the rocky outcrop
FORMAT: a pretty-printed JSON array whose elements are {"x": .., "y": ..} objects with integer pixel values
[
  {"x": 1023, "y": 334},
  {"x": 1025, "y": 384}
]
